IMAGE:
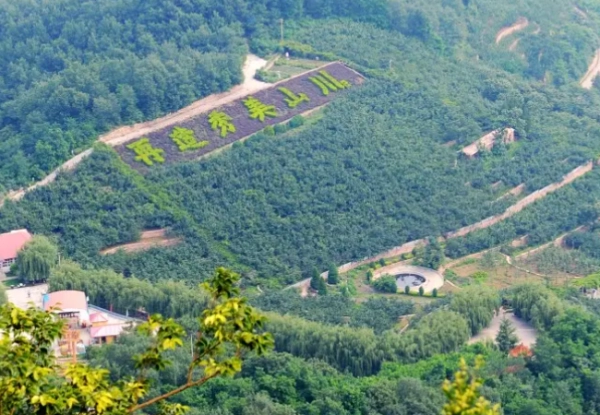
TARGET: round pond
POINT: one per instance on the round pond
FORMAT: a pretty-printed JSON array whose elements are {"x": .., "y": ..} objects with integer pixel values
[{"x": 410, "y": 280}]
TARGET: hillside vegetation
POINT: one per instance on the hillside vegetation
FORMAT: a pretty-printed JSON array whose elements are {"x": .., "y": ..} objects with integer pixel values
[
  {"x": 73, "y": 69},
  {"x": 379, "y": 166},
  {"x": 344, "y": 187},
  {"x": 327, "y": 367}
]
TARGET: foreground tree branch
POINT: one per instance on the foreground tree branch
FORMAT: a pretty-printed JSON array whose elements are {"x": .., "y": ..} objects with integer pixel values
[{"x": 32, "y": 383}]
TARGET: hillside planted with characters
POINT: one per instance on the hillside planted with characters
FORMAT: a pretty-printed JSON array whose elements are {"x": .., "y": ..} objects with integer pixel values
[
  {"x": 380, "y": 166},
  {"x": 403, "y": 194},
  {"x": 240, "y": 119}
]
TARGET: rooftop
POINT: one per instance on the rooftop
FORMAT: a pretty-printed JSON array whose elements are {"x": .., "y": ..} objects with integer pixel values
[
  {"x": 107, "y": 331},
  {"x": 98, "y": 318},
  {"x": 11, "y": 242},
  {"x": 66, "y": 300}
]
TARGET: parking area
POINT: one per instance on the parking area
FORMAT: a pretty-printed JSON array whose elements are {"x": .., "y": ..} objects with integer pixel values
[{"x": 22, "y": 297}]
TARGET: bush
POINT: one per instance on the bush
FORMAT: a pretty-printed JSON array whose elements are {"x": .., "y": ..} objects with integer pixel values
[
  {"x": 386, "y": 284},
  {"x": 406, "y": 289},
  {"x": 450, "y": 274},
  {"x": 269, "y": 130},
  {"x": 421, "y": 291},
  {"x": 480, "y": 276},
  {"x": 369, "y": 275},
  {"x": 266, "y": 76},
  {"x": 297, "y": 121},
  {"x": 333, "y": 276},
  {"x": 434, "y": 293},
  {"x": 281, "y": 128}
]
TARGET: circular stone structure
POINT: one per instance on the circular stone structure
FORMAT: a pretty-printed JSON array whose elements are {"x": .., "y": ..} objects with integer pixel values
[
  {"x": 408, "y": 280},
  {"x": 413, "y": 276}
]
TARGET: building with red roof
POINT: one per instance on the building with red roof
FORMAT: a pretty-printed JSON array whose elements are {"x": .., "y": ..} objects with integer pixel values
[
  {"x": 70, "y": 305},
  {"x": 10, "y": 245},
  {"x": 107, "y": 333}
]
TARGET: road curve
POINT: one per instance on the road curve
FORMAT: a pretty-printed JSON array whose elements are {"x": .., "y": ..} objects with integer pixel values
[{"x": 520, "y": 24}]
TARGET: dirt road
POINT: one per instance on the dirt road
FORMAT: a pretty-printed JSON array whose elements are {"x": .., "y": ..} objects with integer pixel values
[
  {"x": 588, "y": 79},
  {"x": 520, "y": 24},
  {"x": 123, "y": 134},
  {"x": 250, "y": 85},
  {"x": 66, "y": 166},
  {"x": 526, "y": 201},
  {"x": 148, "y": 239},
  {"x": 514, "y": 45},
  {"x": 486, "y": 223}
]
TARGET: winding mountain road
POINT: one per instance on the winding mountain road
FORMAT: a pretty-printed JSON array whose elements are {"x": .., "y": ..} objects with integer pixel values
[
  {"x": 519, "y": 25},
  {"x": 594, "y": 69},
  {"x": 483, "y": 224}
]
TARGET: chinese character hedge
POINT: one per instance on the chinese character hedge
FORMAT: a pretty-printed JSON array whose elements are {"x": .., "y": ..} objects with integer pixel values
[{"x": 224, "y": 125}]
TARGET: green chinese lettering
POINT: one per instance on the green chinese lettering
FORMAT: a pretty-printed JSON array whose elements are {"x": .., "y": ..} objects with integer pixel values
[
  {"x": 258, "y": 110},
  {"x": 293, "y": 100},
  {"x": 326, "y": 82},
  {"x": 145, "y": 153},
  {"x": 185, "y": 139},
  {"x": 220, "y": 121}
]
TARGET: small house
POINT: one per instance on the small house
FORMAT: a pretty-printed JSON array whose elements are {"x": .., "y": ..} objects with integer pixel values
[
  {"x": 106, "y": 333},
  {"x": 10, "y": 245},
  {"x": 106, "y": 326},
  {"x": 70, "y": 305}
]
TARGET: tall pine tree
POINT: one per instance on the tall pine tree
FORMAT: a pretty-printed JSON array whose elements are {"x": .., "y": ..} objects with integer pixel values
[
  {"x": 506, "y": 338},
  {"x": 317, "y": 283},
  {"x": 333, "y": 277}
]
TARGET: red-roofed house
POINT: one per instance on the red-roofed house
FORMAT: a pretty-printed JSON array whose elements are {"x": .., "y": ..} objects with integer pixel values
[
  {"x": 72, "y": 305},
  {"x": 98, "y": 318},
  {"x": 10, "y": 244},
  {"x": 106, "y": 333}
]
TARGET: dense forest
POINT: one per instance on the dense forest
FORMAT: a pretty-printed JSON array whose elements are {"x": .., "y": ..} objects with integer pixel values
[
  {"x": 72, "y": 72},
  {"x": 330, "y": 368},
  {"x": 258, "y": 208}
]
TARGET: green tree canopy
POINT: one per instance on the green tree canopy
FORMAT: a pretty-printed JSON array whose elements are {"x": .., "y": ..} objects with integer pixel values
[
  {"x": 506, "y": 338},
  {"x": 317, "y": 282},
  {"x": 477, "y": 305},
  {"x": 333, "y": 277},
  {"x": 36, "y": 259},
  {"x": 386, "y": 284}
]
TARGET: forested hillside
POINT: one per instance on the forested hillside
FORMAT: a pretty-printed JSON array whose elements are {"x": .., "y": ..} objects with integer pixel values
[
  {"x": 342, "y": 187},
  {"x": 379, "y": 166},
  {"x": 73, "y": 69}
]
